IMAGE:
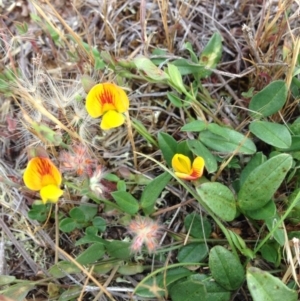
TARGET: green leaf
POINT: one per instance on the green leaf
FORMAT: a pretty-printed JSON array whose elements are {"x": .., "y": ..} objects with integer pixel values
[
  {"x": 89, "y": 238},
  {"x": 19, "y": 291},
  {"x": 168, "y": 146},
  {"x": 215, "y": 292},
  {"x": 175, "y": 100},
  {"x": 126, "y": 202},
  {"x": 22, "y": 28},
  {"x": 272, "y": 133},
  {"x": 62, "y": 269},
  {"x": 172, "y": 275},
  {"x": 131, "y": 269},
  {"x": 155, "y": 286},
  {"x": 183, "y": 148},
  {"x": 91, "y": 230},
  {"x": 225, "y": 268},
  {"x": 194, "y": 126},
  {"x": 39, "y": 212},
  {"x": 152, "y": 191},
  {"x": 200, "y": 150},
  {"x": 263, "y": 213},
  {"x": 105, "y": 55},
  {"x": 118, "y": 249},
  {"x": 263, "y": 286},
  {"x": 295, "y": 145},
  {"x": 294, "y": 215},
  {"x": 189, "y": 290},
  {"x": 99, "y": 64},
  {"x": 6, "y": 279},
  {"x": 193, "y": 252},
  {"x": 83, "y": 213},
  {"x": 175, "y": 78},
  {"x": 99, "y": 223},
  {"x": 47, "y": 133},
  {"x": 278, "y": 233},
  {"x": 77, "y": 215},
  {"x": 219, "y": 199},
  {"x": 241, "y": 245},
  {"x": 263, "y": 182},
  {"x": 150, "y": 289},
  {"x": 188, "y": 46},
  {"x": 103, "y": 267},
  {"x": 149, "y": 68},
  {"x": 258, "y": 159},
  {"x": 269, "y": 100},
  {"x": 91, "y": 254},
  {"x": 72, "y": 293},
  {"x": 186, "y": 67},
  {"x": 111, "y": 177},
  {"x": 295, "y": 127},
  {"x": 249, "y": 93},
  {"x": 88, "y": 211},
  {"x": 212, "y": 53},
  {"x": 67, "y": 225},
  {"x": 226, "y": 140},
  {"x": 271, "y": 252},
  {"x": 295, "y": 87},
  {"x": 121, "y": 185},
  {"x": 197, "y": 226}
]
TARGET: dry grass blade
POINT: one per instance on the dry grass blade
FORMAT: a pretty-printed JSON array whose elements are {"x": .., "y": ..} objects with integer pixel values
[
  {"x": 31, "y": 263},
  {"x": 2, "y": 258},
  {"x": 88, "y": 274},
  {"x": 61, "y": 34},
  {"x": 164, "y": 9}
]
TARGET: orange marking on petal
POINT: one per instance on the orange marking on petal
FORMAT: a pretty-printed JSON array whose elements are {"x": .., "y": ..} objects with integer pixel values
[
  {"x": 43, "y": 166},
  {"x": 197, "y": 168},
  {"x": 106, "y": 96}
]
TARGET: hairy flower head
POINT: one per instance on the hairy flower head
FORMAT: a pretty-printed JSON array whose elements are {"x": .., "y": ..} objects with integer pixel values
[
  {"x": 145, "y": 231},
  {"x": 77, "y": 160}
]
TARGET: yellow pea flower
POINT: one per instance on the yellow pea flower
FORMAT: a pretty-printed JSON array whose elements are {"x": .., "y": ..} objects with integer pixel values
[
  {"x": 109, "y": 100},
  {"x": 184, "y": 169},
  {"x": 43, "y": 176}
]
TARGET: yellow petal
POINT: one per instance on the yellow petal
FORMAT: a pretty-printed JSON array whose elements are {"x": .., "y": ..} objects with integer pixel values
[
  {"x": 105, "y": 97},
  {"x": 93, "y": 101},
  {"x": 183, "y": 176},
  {"x": 31, "y": 177},
  {"x": 181, "y": 164},
  {"x": 197, "y": 168},
  {"x": 111, "y": 119},
  {"x": 121, "y": 100},
  {"x": 50, "y": 193},
  {"x": 41, "y": 172}
]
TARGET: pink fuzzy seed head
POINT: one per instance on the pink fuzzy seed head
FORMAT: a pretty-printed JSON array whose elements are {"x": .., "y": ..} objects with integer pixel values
[
  {"x": 77, "y": 161},
  {"x": 145, "y": 231}
]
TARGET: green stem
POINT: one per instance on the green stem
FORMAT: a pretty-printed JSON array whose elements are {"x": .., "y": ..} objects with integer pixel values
[
  {"x": 283, "y": 217},
  {"x": 93, "y": 197},
  {"x": 167, "y": 268},
  {"x": 203, "y": 108}
]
